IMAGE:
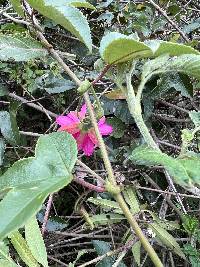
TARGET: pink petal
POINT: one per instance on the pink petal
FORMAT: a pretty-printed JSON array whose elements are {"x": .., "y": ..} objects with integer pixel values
[
  {"x": 80, "y": 140},
  {"x": 83, "y": 111},
  {"x": 101, "y": 121},
  {"x": 73, "y": 115},
  {"x": 63, "y": 120},
  {"x": 72, "y": 128},
  {"x": 88, "y": 146},
  {"x": 93, "y": 137},
  {"x": 104, "y": 128}
]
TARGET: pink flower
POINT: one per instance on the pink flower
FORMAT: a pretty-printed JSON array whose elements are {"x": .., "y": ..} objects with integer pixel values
[{"x": 76, "y": 124}]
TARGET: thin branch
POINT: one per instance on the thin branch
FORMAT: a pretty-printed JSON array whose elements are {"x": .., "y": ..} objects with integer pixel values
[
  {"x": 47, "y": 212},
  {"x": 24, "y": 101},
  {"x": 90, "y": 186},
  {"x": 169, "y": 20}
]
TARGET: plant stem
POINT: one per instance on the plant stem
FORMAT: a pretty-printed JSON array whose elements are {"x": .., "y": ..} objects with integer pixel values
[
  {"x": 152, "y": 254},
  {"x": 147, "y": 246}
]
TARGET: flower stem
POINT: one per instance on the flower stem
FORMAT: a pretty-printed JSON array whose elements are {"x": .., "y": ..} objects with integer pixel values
[{"x": 152, "y": 254}]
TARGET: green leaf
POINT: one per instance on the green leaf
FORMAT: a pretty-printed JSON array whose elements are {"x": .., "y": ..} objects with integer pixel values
[
  {"x": 131, "y": 199},
  {"x": 20, "y": 48},
  {"x": 116, "y": 48},
  {"x": 106, "y": 203},
  {"x": 23, "y": 250},
  {"x": 195, "y": 117},
  {"x": 33, "y": 179},
  {"x": 22, "y": 203},
  {"x": 105, "y": 219},
  {"x": 136, "y": 251},
  {"x": 166, "y": 239},
  {"x": 118, "y": 127},
  {"x": 55, "y": 156},
  {"x": 148, "y": 156},
  {"x": 67, "y": 16},
  {"x": 6, "y": 263},
  {"x": 75, "y": 3},
  {"x": 56, "y": 86},
  {"x": 8, "y": 128},
  {"x": 194, "y": 25},
  {"x": 2, "y": 150},
  {"x": 187, "y": 64},
  {"x": 159, "y": 47},
  {"x": 18, "y": 7},
  {"x": 35, "y": 241}
]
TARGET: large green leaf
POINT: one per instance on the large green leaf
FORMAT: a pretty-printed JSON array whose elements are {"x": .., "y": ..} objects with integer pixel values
[
  {"x": 23, "y": 202},
  {"x": 67, "y": 16},
  {"x": 148, "y": 156},
  {"x": 116, "y": 48},
  {"x": 35, "y": 241},
  {"x": 187, "y": 64},
  {"x": 20, "y": 245},
  {"x": 20, "y": 48},
  {"x": 55, "y": 156}
]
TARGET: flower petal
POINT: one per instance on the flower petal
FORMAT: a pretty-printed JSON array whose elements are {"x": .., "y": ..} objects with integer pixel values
[
  {"x": 73, "y": 115},
  {"x": 63, "y": 120},
  {"x": 101, "y": 121},
  {"x": 88, "y": 146},
  {"x": 104, "y": 128},
  {"x": 93, "y": 137},
  {"x": 72, "y": 128}
]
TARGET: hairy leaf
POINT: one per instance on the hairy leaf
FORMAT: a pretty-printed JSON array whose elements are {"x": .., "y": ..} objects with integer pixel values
[
  {"x": 20, "y": 48},
  {"x": 106, "y": 203},
  {"x": 55, "y": 156},
  {"x": 35, "y": 241},
  {"x": 67, "y": 16},
  {"x": 166, "y": 239},
  {"x": 23, "y": 202},
  {"x": 116, "y": 48},
  {"x": 23, "y": 250},
  {"x": 148, "y": 156}
]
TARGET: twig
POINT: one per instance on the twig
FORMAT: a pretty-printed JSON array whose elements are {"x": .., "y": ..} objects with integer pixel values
[
  {"x": 126, "y": 247},
  {"x": 168, "y": 144},
  {"x": 165, "y": 192},
  {"x": 46, "y": 216},
  {"x": 90, "y": 186},
  {"x": 168, "y": 19},
  {"x": 24, "y": 101},
  {"x": 167, "y": 198},
  {"x": 173, "y": 106},
  {"x": 93, "y": 173},
  {"x": 30, "y": 134},
  {"x": 58, "y": 261}
]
